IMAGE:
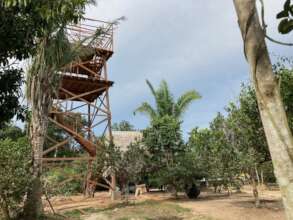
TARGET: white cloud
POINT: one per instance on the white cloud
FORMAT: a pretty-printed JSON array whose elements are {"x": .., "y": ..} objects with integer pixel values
[{"x": 190, "y": 43}]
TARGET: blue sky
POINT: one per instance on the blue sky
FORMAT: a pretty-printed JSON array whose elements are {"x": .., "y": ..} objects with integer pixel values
[{"x": 191, "y": 44}]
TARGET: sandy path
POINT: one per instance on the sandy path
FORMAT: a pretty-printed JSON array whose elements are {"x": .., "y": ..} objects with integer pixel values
[
  {"x": 63, "y": 204},
  {"x": 236, "y": 207},
  {"x": 217, "y": 206}
]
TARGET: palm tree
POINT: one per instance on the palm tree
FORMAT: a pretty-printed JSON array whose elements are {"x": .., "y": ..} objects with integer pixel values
[
  {"x": 53, "y": 52},
  {"x": 165, "y": 102}
]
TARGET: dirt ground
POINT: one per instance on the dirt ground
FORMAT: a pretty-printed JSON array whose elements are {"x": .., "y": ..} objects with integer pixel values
[{"x": 238, "y": 206}]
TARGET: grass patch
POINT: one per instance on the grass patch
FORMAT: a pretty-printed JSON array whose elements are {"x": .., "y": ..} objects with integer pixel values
[
  {"x": 147, "y": 210},
  {"x": 52, "y": 217}
]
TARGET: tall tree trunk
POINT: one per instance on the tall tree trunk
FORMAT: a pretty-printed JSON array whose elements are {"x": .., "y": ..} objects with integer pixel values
[
  {"x": 89, "y": 186},
  {"x": 113, "y": 185},
  {"x": 41, "y": 102},
  {"x": 254, "y": 185},
  {"x": 262, "y": 178},
  {"x": 270, "y": 104},
  {"x": 257, "y": 175},
  {"x": 5, "y": 208}
]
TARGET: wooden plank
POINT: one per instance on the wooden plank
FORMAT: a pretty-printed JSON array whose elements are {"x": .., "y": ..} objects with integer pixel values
[
  {"x": 51, "y": 139},
  {"x": 56, "y": 146},
  {"x": 82, "y": 99},
  {"x": 66, "y": 159},
  {"x": 84, "y": 94}
]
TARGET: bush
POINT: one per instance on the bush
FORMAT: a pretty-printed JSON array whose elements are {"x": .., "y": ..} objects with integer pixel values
[
  {"x": 15, "y": 163},
  {"x": 65, "y": 180},
  {"x": 267, "y": 171}
]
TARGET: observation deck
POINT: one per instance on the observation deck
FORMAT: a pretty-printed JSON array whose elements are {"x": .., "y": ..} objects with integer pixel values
[{"x": 85, "y": 78}]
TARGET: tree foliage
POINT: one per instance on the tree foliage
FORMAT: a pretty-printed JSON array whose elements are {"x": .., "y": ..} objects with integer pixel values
[
  {"x": 22, "y": 24},
  {"x": 133, "y": 166},
  {"x": 123, "y": 126},
  {"x": 163, "y": 139},
  {"x": 15, "y": 162},
  {"x": 285, "y": 75},
  {"x": 286, "y": 23},
  {"x": 165, "y": 102},
  {"x": 11, "y": 131},
  {"x": 234, "y": 147},
  {"x": 169, "y": 163}
]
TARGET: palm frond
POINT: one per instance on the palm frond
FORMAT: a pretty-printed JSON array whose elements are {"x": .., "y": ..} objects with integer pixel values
[
  {"x": 55, "y": 52},
  {"x": 184, "y": 101},
  {"x": 146, "y": 109},
  {"x": 151, "y": 87},
  {"x": 165, "y": 99},
  {"x": 165, "y": 104}
]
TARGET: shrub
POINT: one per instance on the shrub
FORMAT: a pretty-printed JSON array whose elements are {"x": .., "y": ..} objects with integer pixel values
[
  {"x": 66, "y": 180},
  {"x": 15, "y": 163}
]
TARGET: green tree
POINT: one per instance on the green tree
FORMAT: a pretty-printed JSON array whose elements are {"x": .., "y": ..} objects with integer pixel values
[
  {"x": 240, "y": 135},
  {"x": 163, "y": 138},
  {"x": 10, "y": 93},
  {"x": 285, "y": 75},
  {"x": 200, "y": 143},
  {"x": 15, "y": 163},
  {"x": 286, "y": 23},
  {"x": 11, "y": 131},
  {"x": 123, "y": 126},
  {"x": 245, "y": 133},
  {"x": 19, "y": 27},
  {"x": 219, "y": 158},
  {"x": 132, "y": 165},
  {"x": 52, "y": 51},
  {"x": 164, "y": 144},
  {"x": 272, "y": 111},
  {"x": 165, "y": 103},
  {"x": 246, "y": 126}
]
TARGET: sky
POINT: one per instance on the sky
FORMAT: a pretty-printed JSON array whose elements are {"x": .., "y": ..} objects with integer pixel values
[{"x": 192, "y": 44}]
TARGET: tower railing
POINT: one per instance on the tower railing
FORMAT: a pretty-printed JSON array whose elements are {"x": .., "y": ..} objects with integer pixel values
[{"x": 88, "y": 28}]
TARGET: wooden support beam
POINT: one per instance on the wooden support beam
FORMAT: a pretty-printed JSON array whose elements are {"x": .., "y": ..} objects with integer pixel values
[
  {"x": 51, "y": 139},
  {"x": 72, "y": 94},
  {"x": 87, "y": 69},
  {"x": 66, "y": 159},
  {"x": 84, "y": 94},
  {"x": 55, "y": 147},
  {"x": 98, "y": 123}
]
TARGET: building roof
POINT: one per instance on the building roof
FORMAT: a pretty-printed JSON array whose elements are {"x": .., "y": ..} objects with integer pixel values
[{"x": 123, "y": 139}]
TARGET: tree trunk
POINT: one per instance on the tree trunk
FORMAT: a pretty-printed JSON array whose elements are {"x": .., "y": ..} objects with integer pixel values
[
  {"x": 41, "y": 102},
  {"x": 255, "y": 188},
  {"x": 5, "y": 208},
  {"x": 113, "y": 185},
  {"x": 255, "y": 193},
  {"x": 262, "y": 178},
  {"x": 270, "y": 104},
  {"x": 90, "y": 186},
  {"x": 257, "y": 175}
]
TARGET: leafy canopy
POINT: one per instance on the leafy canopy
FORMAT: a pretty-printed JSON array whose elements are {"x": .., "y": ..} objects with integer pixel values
[
  {"x": 15, "y": 163},
  {"x": 123, "y": 126},
  {"x": 286, "y": 23},
  {"x": 22, "y": 24},
  {"x": 165, "y": 102}
]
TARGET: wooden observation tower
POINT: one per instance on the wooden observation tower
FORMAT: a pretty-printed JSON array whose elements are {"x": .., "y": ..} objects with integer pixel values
[{"x": 84, "y": 91}]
